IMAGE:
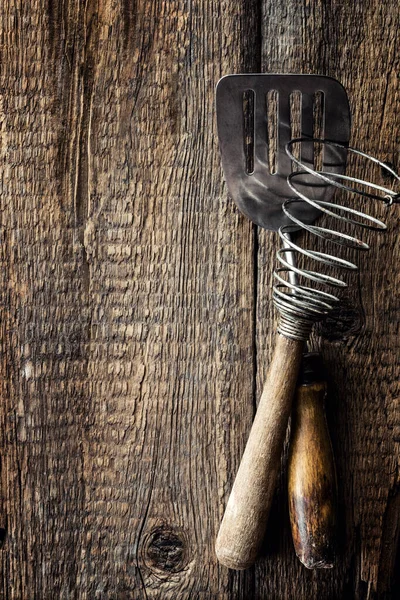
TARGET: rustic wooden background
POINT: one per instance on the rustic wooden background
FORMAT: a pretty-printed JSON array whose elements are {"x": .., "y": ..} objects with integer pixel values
[{"x": 136, "y": 316}]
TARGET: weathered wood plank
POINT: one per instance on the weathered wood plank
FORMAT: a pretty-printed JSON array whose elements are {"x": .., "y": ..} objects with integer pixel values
[
  {"x": 127, "y": 299},
  {"x": 44, "y": 320},
  {"x": 356, "y": 43},
  {"x": 130, "y": 301}
]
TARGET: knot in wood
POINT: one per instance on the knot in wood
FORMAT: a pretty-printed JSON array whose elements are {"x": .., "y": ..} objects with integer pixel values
[
  {"x": 165, "y": 550},
  {"x": 344, "y": 322}
]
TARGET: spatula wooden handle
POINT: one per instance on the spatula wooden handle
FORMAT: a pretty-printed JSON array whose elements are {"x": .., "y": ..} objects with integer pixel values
[
  {"x": 312, "y": 479},
  {"x": 244, "y": 523}
]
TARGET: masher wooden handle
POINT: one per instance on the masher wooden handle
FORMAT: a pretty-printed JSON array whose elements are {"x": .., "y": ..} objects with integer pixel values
[
  {"x": 312, "y": 479},
  {"x": 244, "y": 523}
]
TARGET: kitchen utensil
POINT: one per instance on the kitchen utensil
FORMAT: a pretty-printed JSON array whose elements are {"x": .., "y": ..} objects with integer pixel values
[
  {"x": 312, "y": 483},
  {"x": 263, "y": 194}
]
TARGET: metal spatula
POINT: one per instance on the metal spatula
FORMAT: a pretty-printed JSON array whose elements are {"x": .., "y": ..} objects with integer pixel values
[{"x": 256, "y": 120}]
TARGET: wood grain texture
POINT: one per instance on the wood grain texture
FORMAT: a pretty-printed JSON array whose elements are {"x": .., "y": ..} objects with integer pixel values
[
  {"x": 135, "y": 305},
  {"x": 127, "y": 299}
]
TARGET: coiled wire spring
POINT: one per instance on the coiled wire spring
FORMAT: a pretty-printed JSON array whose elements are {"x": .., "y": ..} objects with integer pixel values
[{"x": 299, "y": 305}]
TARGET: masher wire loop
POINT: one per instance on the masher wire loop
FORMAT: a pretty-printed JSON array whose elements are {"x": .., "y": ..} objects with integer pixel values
[{"x": 295, "y": 295}]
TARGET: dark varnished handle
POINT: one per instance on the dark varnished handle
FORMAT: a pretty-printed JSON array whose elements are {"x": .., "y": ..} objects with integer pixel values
[
  {"x": 244, "y": 523},
  {"x": 312, "y": 479}
]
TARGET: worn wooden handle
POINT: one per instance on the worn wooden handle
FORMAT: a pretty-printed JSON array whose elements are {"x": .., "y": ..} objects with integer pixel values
[
  {"x": 244, "y": 523},
  {"x": 312, "y": 479}
]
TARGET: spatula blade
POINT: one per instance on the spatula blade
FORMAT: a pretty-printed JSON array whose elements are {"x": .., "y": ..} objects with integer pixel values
[{"x": 245, "y": 140}]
